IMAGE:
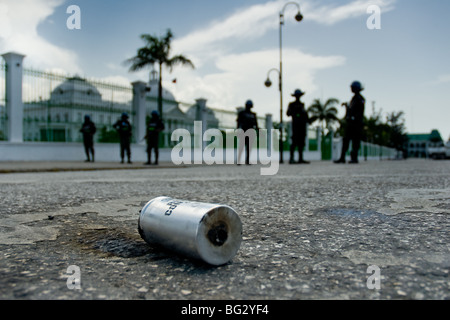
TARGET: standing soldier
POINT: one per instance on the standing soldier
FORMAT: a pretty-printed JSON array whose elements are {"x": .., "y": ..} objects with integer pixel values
[
  {"x": 247, "y": 120},
  {"x": 88, "y": 130},
  {"x": 124, "y": 129},
  {"x": 354, "y": 123},
  {"x": 300, "y": 119},
  {"x": 154, "y": 127}
]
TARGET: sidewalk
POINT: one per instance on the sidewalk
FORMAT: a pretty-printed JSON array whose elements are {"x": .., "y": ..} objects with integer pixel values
[{"x": 58, "y": 166}]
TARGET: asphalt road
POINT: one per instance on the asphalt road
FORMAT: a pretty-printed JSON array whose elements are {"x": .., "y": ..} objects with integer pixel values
[{"x": 309, "y": 232}]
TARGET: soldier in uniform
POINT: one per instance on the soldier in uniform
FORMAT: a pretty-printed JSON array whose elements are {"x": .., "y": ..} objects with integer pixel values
[
  {"x": 154, "y": 127},
  {"x": 354, "y": 123},
  {"x": 300, "y": 119},
  {"x": 247, "y": 120},
  {"x": 124, "y": 129},
  {"x": 88, "y": 130}
]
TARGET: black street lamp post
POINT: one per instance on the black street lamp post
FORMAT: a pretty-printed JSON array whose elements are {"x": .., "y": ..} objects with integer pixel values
[{"x": 298, "y": 17}]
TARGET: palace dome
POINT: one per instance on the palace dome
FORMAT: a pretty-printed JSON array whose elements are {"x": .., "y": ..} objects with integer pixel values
[{"x": 77, "y": 91}]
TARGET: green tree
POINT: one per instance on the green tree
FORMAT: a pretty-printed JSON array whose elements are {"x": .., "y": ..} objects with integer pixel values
[
  {"x": 390, "y": 133},
  {"x": 108, "y": 136},
  {"x": 397, "y": 135},
  {"x": 326, "y": 113},
  {"x": 157, "y": 51},
  {"x": 373, "y": 127}
]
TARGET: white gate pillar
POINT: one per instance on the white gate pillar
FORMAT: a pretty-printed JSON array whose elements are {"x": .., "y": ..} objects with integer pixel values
[
  {"x": 139, "y": 93},
  {"x": 13, "y": 96}
]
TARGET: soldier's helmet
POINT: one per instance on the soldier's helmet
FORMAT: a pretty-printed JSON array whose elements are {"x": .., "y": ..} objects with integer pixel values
[{"x": 356, "y": 85}]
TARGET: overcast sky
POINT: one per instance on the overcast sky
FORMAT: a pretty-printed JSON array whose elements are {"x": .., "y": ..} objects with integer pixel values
[{"x": 233, "y": 44}]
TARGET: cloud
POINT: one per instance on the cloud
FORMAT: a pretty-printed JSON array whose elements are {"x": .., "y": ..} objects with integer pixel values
[
  {"x": 18, "y": 33},
  {"x": 250, "y": 22},
  {"x": 242, "y": 76},
  {"x": 332, "y": 14},
  {"x": 445, "y": 78},
  {"x": 255, "y": 21},
  {"x": 439, "y": 80}
]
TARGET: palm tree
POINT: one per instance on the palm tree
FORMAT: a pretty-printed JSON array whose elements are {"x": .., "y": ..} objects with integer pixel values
[
  {"x": 325, "y": 113},
  {"x": 397, "y": 133},
  {"x": 157, "y": 51}
]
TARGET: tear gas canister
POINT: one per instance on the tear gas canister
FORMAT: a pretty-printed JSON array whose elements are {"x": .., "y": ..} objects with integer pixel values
[{"x": 210, "y": 232}]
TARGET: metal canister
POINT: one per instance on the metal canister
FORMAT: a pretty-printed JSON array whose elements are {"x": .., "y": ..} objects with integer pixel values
[{"x": 210, "y": 232}]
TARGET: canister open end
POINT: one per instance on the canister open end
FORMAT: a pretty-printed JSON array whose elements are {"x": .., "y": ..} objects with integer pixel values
[{"x": 218, "y": 234}]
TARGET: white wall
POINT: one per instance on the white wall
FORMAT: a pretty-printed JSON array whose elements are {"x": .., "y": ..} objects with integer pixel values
[
  {"x": 104, "y": 152},
  {"x": 51, "y": 151}
]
